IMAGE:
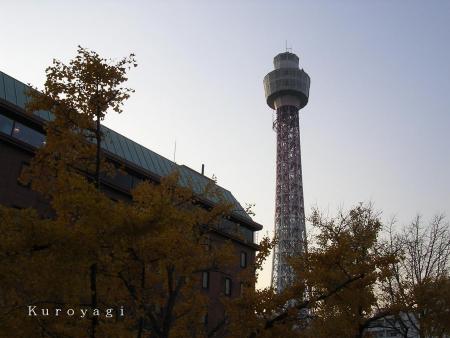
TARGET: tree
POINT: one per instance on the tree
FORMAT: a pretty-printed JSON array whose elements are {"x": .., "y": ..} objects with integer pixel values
[
  {"x": 335, "y": 292},
  {"x": 79, "y": 95},
  {"x": 349, "y": 248},
  {"x": 149, "y": 254},
  {"x": 419, "y": 287}
]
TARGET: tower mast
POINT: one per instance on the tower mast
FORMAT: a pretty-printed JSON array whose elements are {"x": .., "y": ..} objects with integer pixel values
[{"x": 287, "y": 91}]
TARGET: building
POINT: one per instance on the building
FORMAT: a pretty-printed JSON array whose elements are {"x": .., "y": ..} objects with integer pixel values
[
  {"x": 390, "y": 327},
  {"x": 404, "y": 325},
  {"x": 287, "y": 91},
  {"x": 21, "y": 134}
]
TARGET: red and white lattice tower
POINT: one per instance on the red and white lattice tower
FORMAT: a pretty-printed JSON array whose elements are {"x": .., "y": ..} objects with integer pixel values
[{"x": 287, "y": 91}]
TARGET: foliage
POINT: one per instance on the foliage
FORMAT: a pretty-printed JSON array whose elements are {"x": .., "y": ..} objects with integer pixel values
[
  {"x": 149, "y": 254},
  {"x": 348, "y": 252},
  {"x": 335, "y": 292},
  {"x": 79, "y": 95}
]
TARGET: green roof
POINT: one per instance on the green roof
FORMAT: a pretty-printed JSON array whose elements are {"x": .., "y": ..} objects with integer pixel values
[{"x": 13, "y": 91}]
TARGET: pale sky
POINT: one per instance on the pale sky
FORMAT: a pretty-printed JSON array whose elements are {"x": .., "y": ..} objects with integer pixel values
[{"x": 377, "y": 126}]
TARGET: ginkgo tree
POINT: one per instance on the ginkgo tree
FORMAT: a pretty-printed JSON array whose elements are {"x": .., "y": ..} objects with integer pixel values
[
  {"x": 334, "y": 294},
  {"x": 79, "y": 95}
]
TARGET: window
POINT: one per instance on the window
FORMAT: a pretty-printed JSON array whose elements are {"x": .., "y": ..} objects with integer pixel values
[
  {"x": 241, "y": 289},
  {"x": 243, "y": 259},
  {"x": 227, "y": 286},
  {"x": 136, "y": 181},
  {"x": 205, "y": 279},
  {"x": 122, "y": 179},
  {"x": 25, "y": 166},
  {"x": 205, "y": 319},
  {"x": 6, "y": 125},
  {"x": 28, "y": 135},
  {"x": 247, "y": 234},
  {"x": 205, "y": 241}
]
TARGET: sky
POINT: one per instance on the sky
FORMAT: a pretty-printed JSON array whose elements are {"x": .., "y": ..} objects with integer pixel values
[{"x": 377, "y": 125}]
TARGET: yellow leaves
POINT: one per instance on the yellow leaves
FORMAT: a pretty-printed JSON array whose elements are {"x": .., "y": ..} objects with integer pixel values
[
  {"x": 347, "y": 250},
  {"x": 336, "y": 281},
  {"x": 134, "y": 244}
]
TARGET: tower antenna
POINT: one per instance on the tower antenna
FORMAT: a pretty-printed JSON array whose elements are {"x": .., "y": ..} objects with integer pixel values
[
  {"x": 175, "y": 151},
  {"x": 288, "y": 49}
]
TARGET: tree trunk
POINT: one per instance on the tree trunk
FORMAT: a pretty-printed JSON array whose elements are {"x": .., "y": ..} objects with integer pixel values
[
  {"x": 141, "y": 319},
  {"x": 140, "y": 327},
  {"x": 98, "y": 150},
  {"x": 93, "y": 268},
  {"x": 94, "y": 320}
]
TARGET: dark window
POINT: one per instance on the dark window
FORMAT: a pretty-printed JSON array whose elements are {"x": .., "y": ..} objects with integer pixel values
[
  {"x": 205, "y": 279},
  {"x": 122, "y": 179},
  {"x": 227, "y": 286},
  {"x": 28, "y": 135},
  {"x": 241, "y": 289},
  {"x": 229, "y": 226},
  {"x": 6, "y": 125},
  {"x": 247, "y": 234},
  {"x": 136, "y": 181},
  {"x": 205, "y": 319},
  {"x": 24, "y": 167},
  {"x": 243, "y": 259}
]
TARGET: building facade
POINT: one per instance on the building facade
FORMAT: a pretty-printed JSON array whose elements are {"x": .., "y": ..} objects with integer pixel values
[
  {"x": 404, "y": 325},
  {"x": 21, "y": 134},
  {"x": 389, "y": 327}
]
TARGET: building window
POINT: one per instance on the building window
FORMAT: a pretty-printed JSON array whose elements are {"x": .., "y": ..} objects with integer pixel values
[
  {"x": 121, "y": 179},
  {"x": 205, "y": 279},
  {"x": 136, "y": 181},
  {"x": 247, "y": 234},
  {"x": 205, "y": 319},
  {"x": 241, "y": 289},
  {"x": 227, "y": 286},
  {"x": 25, "y": 166},
  {"x": 243, "y": 259},
  {"x": 205, "y": 241},
  {"x": 6, "y": 125},
  {"x": 28, "y": 135}
]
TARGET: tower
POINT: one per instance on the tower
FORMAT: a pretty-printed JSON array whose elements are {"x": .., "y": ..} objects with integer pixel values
[{"x": 287, "y": 91}]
